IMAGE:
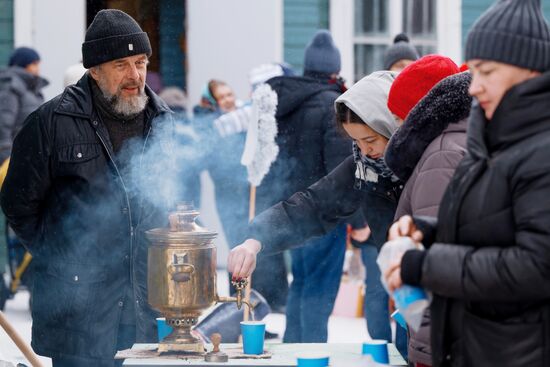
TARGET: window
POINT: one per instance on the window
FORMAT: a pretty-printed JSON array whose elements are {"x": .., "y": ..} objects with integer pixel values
[
  {"x": 378, "y": 21},
  {"x": 419, "y": 22},
  {"x": 371, "y": 34}
]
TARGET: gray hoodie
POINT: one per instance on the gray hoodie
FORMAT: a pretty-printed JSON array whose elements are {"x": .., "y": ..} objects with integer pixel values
[{"x": 368, "y": 98}]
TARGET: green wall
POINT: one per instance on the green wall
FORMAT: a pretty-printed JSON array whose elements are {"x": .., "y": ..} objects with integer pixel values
[
  {"x": 302, "y": 18},
  {"x": 6, "y": 30},
  {"x": 472, "y": 9}
]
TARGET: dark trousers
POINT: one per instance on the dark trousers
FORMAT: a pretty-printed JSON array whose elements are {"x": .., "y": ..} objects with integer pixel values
[
  {"x": 316, "y": 271},
  {"x": 126, "y": 338},
  {"x": 376, "y": 303}
]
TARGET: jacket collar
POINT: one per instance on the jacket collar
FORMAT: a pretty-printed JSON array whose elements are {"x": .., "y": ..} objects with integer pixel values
[
  {"x": 76, "y": 100},
  {"x": 444, "y": 109},
  {"x": 26, "y": 79},
  {"x": 522, "y": 113}
]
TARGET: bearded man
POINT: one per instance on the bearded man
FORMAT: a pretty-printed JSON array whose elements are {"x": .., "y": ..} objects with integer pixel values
[{"x": 72, "y": 196}]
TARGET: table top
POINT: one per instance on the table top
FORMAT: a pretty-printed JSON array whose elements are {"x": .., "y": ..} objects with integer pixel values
[{"x": 283, "y": 355}]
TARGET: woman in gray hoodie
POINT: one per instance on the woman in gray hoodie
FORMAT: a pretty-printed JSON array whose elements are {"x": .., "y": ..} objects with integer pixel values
[{"x": 362, "y": 181}]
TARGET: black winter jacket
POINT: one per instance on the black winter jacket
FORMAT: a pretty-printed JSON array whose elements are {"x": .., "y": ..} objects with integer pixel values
[
  {"x": 425, "y": 151},
  {"x": 20, "y": 95},
  {"x": 310, "y": 144},
  {"x": 64, "y": 197},
  {"x": 317, "y": 210},
  {"x": 489, "y": 268}
]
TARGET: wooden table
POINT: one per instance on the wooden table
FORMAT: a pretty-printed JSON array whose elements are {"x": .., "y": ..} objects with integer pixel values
[{"x": 283, "y": 355}]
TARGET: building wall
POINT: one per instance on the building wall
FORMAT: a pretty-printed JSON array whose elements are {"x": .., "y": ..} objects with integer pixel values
[
  {"x": 472, "y": 9},
  {"x": 6, "y": 30},
  {"x": 172, "y": 42},
  {"x": 56, "y": 36},
  {"x": 302, "y": 18},
  {"x": 226, "y": 39}
]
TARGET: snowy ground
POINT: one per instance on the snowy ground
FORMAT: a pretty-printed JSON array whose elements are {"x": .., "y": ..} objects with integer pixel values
[{"x": 341, "y": 329}]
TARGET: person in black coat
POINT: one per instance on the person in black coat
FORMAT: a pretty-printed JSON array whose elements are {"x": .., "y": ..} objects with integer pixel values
[
  {"x": 81, "y": 189},
  {"x": 310, "y": 146},
  {"x": 488, "y": 253}
]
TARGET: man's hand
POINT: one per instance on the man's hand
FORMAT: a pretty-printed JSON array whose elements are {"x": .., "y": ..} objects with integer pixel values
[
  {"x": 405, "y": 227},
  {"x": 242, "y": 259}
]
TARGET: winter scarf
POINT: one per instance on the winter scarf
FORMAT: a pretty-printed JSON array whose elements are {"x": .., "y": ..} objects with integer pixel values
[
  {"x": 377, "y": 166},
  {"x": 368, "y": 99},
  {"x": 448, "y": 102}
]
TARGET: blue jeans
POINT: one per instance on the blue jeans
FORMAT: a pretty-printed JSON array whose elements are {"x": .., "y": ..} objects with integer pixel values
[
  {"x": 376, "y": 303},
  {"x": 316, "y": 271}
]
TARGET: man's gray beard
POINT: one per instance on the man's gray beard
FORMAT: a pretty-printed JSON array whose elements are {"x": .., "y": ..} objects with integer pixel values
[{"x": 125, "y": 106}]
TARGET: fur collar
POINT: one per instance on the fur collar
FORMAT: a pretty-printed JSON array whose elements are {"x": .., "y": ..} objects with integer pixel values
[{"x": 446, "y": 103}]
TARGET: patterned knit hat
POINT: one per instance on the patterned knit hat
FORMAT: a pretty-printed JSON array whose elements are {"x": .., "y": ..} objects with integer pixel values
[
  {"x": 113, "y": 35},
  {"x": 416, "y": 80},
  {"x": 512, "y": 32}
]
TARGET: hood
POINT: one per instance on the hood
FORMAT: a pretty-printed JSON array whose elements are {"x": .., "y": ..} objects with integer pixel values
[
  {"x": 368, "y": 98},
  {"x": 444, "y": 108},
  {"x": 21, "y": 80},
  {"x": 293, "y": 91}
]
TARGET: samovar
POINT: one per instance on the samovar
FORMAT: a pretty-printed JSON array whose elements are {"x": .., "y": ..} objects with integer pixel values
[{"x": 181, "y": 277}]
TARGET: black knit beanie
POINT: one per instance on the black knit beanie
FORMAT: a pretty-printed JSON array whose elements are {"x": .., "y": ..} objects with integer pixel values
[
  {"x": 400, "y": 50},
  {"x": 113, "y": 35},
  {"x": 512, "y": 32}
]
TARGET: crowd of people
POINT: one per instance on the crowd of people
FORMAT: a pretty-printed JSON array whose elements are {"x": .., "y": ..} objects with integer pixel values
[{"x": 451, "y": 157}]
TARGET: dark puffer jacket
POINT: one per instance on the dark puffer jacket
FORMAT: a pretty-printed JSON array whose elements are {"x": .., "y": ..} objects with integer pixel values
[
  {"x": 311, "y": 145},
  {"x": 20, "y": 94},
  {"x": 67, "y": 201},
  {"x": 490, "y": 264},
  {"x": 424, "y": 152}
]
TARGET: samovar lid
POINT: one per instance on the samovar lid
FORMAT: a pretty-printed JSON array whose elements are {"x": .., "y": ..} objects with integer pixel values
[{"x": 183, "y": 229}]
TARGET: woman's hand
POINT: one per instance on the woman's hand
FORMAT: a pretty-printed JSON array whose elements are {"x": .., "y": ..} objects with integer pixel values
[
  {"x": 242, "y": 259},
  {"x": 393, "y": 273},
  {"x": 405, "y": 227},
  {"x": 361, "y": 234}
]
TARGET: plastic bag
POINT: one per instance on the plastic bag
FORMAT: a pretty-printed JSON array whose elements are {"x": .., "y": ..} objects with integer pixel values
[{"x": 411, "y": 301}]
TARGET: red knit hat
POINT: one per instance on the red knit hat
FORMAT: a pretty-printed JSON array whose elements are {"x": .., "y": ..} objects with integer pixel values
[{"x": 416, "y": 80}]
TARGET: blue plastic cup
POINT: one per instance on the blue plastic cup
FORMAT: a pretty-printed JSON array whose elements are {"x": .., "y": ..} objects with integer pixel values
[
  {"x": 163, "y": 330},
  {"x": 253, "y": 333},
  {"x": 377, "y": 349},
  {"x": 313, "y": 360},
  {"x": 412, "y": 299},
  {"x": 399, "y": 319}
]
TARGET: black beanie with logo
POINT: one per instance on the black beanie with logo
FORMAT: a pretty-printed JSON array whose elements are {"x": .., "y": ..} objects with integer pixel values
[{"x": 113, "y": 35}]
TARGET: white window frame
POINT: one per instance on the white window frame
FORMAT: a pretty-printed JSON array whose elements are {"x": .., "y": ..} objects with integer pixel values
[{"x": 448, "y": 30}]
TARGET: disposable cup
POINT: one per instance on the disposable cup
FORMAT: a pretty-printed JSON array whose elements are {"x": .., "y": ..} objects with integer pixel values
[
  {"x": 163, "y": 330},
  {"x": 253, "y": 333},
  {"x": 377, "y": 349},
  {"x": 313, "y": 359},
  {"x": 412, "y": 299}
]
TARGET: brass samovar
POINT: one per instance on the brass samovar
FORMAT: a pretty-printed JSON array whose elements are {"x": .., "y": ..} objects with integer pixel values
[{"x": 181, "y": 277}]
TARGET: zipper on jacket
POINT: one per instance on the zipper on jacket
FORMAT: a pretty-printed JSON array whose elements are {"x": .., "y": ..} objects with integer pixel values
[
  {"x": 140, "y": 214},
  {"x": 127, "y": 203}
]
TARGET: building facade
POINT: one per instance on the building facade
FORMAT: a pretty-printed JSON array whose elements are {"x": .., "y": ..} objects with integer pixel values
[{"x": 196, "y": 40}]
